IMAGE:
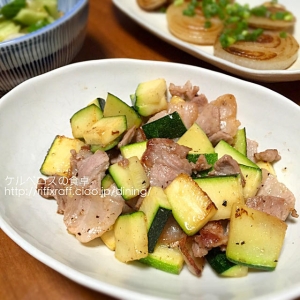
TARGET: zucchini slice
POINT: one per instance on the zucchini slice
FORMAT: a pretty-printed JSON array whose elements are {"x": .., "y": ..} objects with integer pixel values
[
  {"x": 240, "y": 141},
  {"x": 224, "y": 191},
  {"x": 217, "y": 259},
  {"x": 253, "y": 180},
  {"x": 151, "y": 97},
  {"x": 157, "y": 210},
  {"x": 130, "y": 177},
  {"x": 105, "y": 131},
  {"x": 135, "y": 149},
  {"x": 108, "y": 238},
  {"x": 223, "y": 148},
  {"x": 84, "y": 119},
  {"x": 57, "y": 160},
  {"x": 131, "y": 237},
  {"x": 114, "y": 106},
  {"x": 165, "y": 259},
  {"x": 191, "y": 206},
  {"x": 169, "y": 126},
  {"x": 255, "y": 238},
  {"x": 197, "y": 140}
]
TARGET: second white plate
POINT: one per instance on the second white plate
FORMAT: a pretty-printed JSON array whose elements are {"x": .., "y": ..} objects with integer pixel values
[{"x": 157, "y": 24}]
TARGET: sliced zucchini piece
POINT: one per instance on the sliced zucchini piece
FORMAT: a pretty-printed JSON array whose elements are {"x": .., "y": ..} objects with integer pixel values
[
  {"x": 253, "y": 179},
  {"x": 107, "y": 181},
  {"x": 266, "y": 165},
  {"x": 84, "y": 119},
  {"x": 224, "y": 191},
  {"x": 223, "y": 148},
  {"x": 151, "y": 97},
  {"x": 157, "y": 210},
  {"x": 100, "y": 102},
  {"x": 109, "y": 146},
  {"x": 57, "y": 160},
  {"x": 240, "y": 141},
  {"x": 130, "y": 177},
  {"x": 191, "y": 206},
  {"x": 131, "y": 237},
  {"x": 135, "y": 149},
  {"x": 114, "y": 106},
  {"x": 169, "y": 126},
  {"x": 28, "y": 16},
  {"x": 197, "y": 140},
  {"x": 105, "y": 131},
  {"x": 108, "y": 238},
  {"x": 255, "y": 238},
  {"x": 165, "y": 259},
  {"x": 217, "y": 259}
]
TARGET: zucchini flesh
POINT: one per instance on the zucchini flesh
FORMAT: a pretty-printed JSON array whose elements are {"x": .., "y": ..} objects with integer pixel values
[
  {"x": 196, "y": 139},
  {"x": 84, "y": 119},
  {"x": 165, "y": 259},
  {"x": 169, "y": 126},
  {"x": 131, "y": 237},
  {"x": 255, "y": 238},
  {"x": 57, "y": 160},
  {"x": 217, "y": 259},
  {"x": 135, "y": 149},
  {"x": 240, "y": 141},
  {"x": 114, "y": 106},
  {"x": 191, "y": 206}
]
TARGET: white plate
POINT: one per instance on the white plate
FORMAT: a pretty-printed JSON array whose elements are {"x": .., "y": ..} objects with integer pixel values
[
  {"x": 35, "y": 111},
  {"x": 157, "y": 24}
]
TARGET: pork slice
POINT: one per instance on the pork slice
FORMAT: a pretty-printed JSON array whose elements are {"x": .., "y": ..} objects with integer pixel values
[
  {"x": 272, "y": 187},
  {"x": 188, "y": 112},
  {"x": 269, "y": 155},
  {"x": 226, "y": 165},
  {"x": 89, "y": 215},
  {"x": 215, "y": 138},
  {"x": 128, "y": 136},
  {"x": 251, "y": 149},
  {"x": 271, "y": 205},
  {"x": 164, "y": 160},
  {"x": 213, "y": 234},
  {"x": 186, "y": 92},
  {"x": 201, "y": 164},
  {"x": 195, "y": 264},
  {"x": 75, "y": 158}
]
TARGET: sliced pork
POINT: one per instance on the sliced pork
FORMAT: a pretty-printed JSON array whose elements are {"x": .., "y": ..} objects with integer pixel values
[
  {"x": 164, "y": 160},
  {"x": 269, "y": 155}
]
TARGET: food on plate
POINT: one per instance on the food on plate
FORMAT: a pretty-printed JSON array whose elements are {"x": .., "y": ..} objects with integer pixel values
[
  {"x": 182, "y": 184},
  {"x": 193, "y": 29},
  {"x": 19, "y": 17},
  {"x": 257, "y": 38},
  {"x": 270, "y": 51},
  {"x": 152, "y": 4}
]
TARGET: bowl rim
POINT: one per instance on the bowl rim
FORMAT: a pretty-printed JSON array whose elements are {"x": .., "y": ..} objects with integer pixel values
[{"x": 28, "y": 36}]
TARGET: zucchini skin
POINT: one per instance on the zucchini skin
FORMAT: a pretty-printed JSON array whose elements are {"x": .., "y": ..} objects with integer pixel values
[
  {"x": 169, "y": 126},
  {"x": 157, "y": 226}
]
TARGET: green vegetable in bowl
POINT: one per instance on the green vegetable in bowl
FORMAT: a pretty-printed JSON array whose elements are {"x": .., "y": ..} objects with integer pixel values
[{"x": 20, "y": 17}]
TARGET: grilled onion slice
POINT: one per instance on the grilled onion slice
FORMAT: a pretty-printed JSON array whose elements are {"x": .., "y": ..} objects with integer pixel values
[
  {"x": 192, "y": 29},
  {"x": 275, "y": 23},
  {"x": 269, "y": 52},
  {"x": 151, "y": 4}
]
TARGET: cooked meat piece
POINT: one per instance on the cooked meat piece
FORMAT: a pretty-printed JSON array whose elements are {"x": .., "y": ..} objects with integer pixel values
[
  {"x": 164, "y": 160},
  {"x": 172, "y": 233},
  {"x": 269, "y": 155},
  {"x": 272, "y": 187},
  {"x": 213, "y": 234},
  {"x": 157, "y": 116},
  {"x": 54, "y": 187},
  {"x": 271, "y": 205},
  {"x": 188, "y": 111},
  {"x": 128, "y": 136},
  {"x": 186, "y": 92},
  {"x": 194, "y": 264},
  {"x": 209, "y": 119},
  {"x": 218, "y": 119},
  {"x": 251, "y": 149},
  {"x": 201, "y": 164},
  {"x": 226, "y": 165},
  {"x": 89, "y": 167},
  {"x": 84, "y": 152},
  {"x": 89, "y": 215}
]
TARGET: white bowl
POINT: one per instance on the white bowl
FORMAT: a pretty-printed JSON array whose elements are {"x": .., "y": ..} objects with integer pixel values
[
  {"x": 50, "y": 47},
  {"x": 27, "y": 128}
]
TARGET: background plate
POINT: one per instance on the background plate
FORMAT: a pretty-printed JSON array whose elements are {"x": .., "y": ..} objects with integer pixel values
[
  {"x": 157, "y": 24},
  {"x": 40, "y": 108}
]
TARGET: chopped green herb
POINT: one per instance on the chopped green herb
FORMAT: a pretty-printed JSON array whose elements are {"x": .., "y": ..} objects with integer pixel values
[{"x": 283, "y": 34}]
